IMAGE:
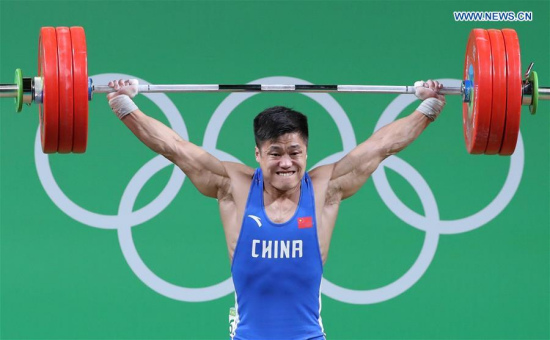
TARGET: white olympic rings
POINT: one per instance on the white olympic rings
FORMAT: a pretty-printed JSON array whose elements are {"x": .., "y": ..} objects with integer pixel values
[{"x": 127, "y": 218}]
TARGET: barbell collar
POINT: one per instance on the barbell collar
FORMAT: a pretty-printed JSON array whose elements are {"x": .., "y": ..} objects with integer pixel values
[
  {"x": 28, "y": 90},
  {"x": 38, "y": 87}
]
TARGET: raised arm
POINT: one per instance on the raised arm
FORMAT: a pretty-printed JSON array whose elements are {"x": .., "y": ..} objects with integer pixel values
[
  {"x": 206, "y": 172},
  {"x": 345, "y": 177}
]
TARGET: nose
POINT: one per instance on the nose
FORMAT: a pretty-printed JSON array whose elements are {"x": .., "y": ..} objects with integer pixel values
[{"x": 285, "y": 162}]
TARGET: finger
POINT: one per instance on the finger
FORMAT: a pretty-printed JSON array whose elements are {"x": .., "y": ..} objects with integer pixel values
[
  {"x": 430, "y": 84},
  {"x": 133, "y": 82}
]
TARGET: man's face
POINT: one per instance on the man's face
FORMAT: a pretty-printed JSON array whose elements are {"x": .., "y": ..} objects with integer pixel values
[{"x": 283, "y": 162}]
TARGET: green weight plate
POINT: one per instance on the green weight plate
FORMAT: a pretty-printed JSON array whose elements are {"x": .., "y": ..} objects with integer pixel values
[
  {"x": 534, "y": 79},
  {"x": 19, "y": 82}
]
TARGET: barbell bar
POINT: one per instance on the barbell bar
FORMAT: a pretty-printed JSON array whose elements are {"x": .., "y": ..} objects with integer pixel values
[
  {"x": 275, "y": 88},
  {"x": 493, "y": 90}
]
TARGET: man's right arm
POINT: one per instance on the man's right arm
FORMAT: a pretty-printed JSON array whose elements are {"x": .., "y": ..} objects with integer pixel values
[{"x": 206, "y": 172}]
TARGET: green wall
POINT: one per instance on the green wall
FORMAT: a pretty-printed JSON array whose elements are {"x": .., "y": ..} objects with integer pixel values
[{"x": 465, "y": 255}]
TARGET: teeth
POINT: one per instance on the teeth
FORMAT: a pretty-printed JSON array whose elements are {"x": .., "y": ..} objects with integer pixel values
[{"x": 285, "y": 174}]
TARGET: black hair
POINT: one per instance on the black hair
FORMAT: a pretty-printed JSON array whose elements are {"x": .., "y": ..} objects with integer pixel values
[{"x": 276, "y": 121}]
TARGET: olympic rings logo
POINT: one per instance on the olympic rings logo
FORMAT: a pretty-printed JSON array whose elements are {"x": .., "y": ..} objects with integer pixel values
[{"x": 126, "y": 218}]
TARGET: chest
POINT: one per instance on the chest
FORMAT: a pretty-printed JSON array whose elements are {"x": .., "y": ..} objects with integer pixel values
[
  {"x": 292, "y": 244},
  {"x": 280, "y": 212}
]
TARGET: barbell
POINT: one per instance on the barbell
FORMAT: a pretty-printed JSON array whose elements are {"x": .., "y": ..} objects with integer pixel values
[{"x": 493, "y": 90}]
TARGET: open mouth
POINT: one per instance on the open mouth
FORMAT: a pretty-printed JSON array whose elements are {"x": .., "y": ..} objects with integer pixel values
[{"x": 285, "y": 173}]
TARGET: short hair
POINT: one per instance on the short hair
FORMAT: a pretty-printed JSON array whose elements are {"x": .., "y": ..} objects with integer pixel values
[{"x": 276, "y": 121}]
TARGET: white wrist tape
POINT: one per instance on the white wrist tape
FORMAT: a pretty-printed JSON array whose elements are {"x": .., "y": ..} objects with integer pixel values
[
  {"x": 122, "y": 105},
  {"x": 431, "y": 108}
]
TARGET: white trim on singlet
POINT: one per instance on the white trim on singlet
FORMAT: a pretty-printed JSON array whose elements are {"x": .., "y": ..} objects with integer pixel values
[
  {"x": 232, "y": 335},
  {"x": 320, "y": 306}
]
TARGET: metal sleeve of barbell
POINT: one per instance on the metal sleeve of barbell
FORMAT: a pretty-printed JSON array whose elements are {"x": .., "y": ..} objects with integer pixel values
[
  {"x": 544, "y": 93},
  {"x": 8, "y": 90},
  {"x": 276, "y": 88}
]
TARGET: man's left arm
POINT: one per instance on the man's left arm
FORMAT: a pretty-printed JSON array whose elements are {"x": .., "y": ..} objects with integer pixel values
[{"x": 350, "y": 173}]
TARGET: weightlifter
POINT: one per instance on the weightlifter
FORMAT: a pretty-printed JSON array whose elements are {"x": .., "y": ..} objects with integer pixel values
[{"x": 278, "y": 219}]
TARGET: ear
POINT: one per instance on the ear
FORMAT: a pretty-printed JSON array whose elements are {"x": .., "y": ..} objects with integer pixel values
[{"x": 257, "y": 154}]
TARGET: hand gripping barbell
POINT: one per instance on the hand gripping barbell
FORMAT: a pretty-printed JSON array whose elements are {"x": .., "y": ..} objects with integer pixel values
[{"x": 493, "y": 90}]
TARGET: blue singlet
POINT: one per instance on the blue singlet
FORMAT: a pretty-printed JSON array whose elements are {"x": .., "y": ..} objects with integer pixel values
[{"x": 277, "y": 270}]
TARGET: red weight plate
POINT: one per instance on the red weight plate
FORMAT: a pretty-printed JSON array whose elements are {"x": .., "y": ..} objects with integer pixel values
[
  {"x": 476, "y": 115},
  {"x": 514, "y": 92},
  {"x": 65, "y": 62},
  {"x": 47, "y": 70},
  {"x": 498, "y": 110},
  {"x": 80, "y": 67}
]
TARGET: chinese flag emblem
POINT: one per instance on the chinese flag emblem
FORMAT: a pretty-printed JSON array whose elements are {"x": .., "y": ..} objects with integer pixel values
[{"x": 305, "y": 222}]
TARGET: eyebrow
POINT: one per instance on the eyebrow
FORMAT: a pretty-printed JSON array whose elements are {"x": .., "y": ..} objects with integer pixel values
[{"x": 277, "y": 147}]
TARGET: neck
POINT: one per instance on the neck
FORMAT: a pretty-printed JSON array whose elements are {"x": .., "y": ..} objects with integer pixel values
[{"x": 273, "y": 194}]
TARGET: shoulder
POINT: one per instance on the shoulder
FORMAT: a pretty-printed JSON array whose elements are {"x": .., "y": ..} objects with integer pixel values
[
  {"x": 237, "y": 183},
  {"x": 238, "y": 170},
  {"x": 321, "y": 179},
  {"x": 321, "y": 174}
]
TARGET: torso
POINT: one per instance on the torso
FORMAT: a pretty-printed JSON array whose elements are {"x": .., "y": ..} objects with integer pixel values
[
  {"x": 276, "y": 267},
  {"x": 232, "y": 206}
]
